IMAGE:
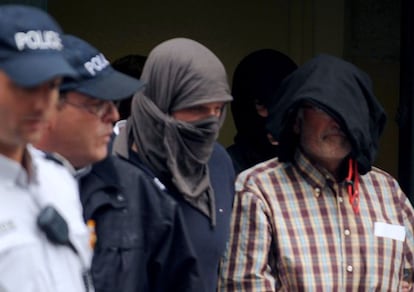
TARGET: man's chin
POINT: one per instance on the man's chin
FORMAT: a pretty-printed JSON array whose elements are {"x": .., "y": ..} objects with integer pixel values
[{"x": 100, "y": 155}]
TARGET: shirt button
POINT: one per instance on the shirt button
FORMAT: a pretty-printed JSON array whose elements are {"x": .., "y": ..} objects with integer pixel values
[
  {"x": 317, "y": 192},
  {"x": 120, "y": 198},
  {"x": 349, "y": 268},
  {"x": 340, "y": 200},
  {"x": 347, "y": 232}
]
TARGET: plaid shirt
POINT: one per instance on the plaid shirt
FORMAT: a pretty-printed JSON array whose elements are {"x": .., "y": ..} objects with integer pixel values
[{"x": 293, "y": 229}]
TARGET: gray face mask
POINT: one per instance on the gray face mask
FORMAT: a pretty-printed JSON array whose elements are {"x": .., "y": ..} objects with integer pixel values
[{"x": 199, "y": 137}]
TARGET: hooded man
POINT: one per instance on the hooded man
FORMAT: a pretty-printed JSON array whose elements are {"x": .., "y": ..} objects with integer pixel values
[
  {"x": 255, "y": 82},
  {"x": 321, "y": 217},
  {"x": 172, "y": 134}
]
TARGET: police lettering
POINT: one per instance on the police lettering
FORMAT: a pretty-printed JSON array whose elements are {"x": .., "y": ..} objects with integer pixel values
[
  {"x": 38, "y": 40},
  {"x": 97, "y": 63}
]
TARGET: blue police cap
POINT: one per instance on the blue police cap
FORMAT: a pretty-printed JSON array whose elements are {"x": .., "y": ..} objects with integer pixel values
[
  {"x": 31, "y": 46},
  {"x": 97, "y": 78}
]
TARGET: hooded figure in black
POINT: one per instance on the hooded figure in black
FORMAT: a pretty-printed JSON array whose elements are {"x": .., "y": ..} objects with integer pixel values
[
  {"x": 255, "y": 82},
  {"x": 343, "y": 91}
]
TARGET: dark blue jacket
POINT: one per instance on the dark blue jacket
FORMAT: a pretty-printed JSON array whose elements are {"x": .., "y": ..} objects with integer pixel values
[
  {"x": 209, "y": 242},
  {"x": 142, "y": 241}
]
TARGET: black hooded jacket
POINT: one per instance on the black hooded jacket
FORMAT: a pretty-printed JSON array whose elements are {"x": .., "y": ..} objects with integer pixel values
[
  {"x": 342, "y": 90},
  {"x": 257, "y": 77}
]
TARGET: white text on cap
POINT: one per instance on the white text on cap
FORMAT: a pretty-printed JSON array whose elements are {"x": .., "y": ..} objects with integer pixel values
[
  {"x": 97, "y": 63},
  {"x": 38, "y": 40}
]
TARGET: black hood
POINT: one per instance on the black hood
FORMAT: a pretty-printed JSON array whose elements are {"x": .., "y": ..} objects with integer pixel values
[
  {"x": 345, "y": 92},
  {"x": 257, "y": 76}
]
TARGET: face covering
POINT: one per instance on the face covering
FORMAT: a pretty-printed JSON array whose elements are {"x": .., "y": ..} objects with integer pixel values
[
  {"x": 198, "y": 137},
  {"x": 179, "y": 73}
]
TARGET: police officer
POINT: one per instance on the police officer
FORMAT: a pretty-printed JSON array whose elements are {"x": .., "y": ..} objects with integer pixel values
[
  {"x": 43, "y": 240},
  {"x": 81, "y": 130}
]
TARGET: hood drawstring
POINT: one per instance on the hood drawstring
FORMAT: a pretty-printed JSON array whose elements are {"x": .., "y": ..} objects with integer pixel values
[{"x": 352, "y": 181}]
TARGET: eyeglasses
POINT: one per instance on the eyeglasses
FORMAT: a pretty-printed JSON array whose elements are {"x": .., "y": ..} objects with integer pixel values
[{"x": 99, "y": 108}]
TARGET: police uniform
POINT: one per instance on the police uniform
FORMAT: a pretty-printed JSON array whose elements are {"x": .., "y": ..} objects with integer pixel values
[{"x": 28, "y": 260}]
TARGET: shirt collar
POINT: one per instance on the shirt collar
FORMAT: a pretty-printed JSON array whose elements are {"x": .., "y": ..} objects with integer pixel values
[
  {"x": 313, "y": 175},
  {"x": 77, "y": 173},
  {"x": 81, "y": 172}
]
